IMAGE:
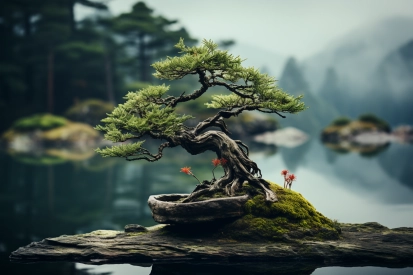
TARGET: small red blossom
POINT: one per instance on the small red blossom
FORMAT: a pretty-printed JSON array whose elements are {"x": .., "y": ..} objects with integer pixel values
[
  {"x": 223, "y": 161},
  {"x": 291, "y": 177},
  {"x": 284, "y": 172},
  {"x": 186, "y": 170},
  {"x": 216, "y": 162}
]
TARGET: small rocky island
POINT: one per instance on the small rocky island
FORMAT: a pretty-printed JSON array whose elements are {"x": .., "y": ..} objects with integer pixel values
[
  {"x": 49, "y": 139},
  {"x": 290, "y": 230},
  {"x": 367, "y": 135}
]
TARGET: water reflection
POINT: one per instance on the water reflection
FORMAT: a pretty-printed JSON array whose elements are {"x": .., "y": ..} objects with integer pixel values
[
  {"x": 302, "y": 268},
  {"x": 119, "y": 269},
  {"x": 366, "y": 150},
  {"x": 368, "y": 270},
  {"x": 70, "y": 197},
  {"x": 350, "y": 188}
]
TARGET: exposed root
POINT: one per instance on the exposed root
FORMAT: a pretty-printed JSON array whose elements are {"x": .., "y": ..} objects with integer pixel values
[
  {"x": 197, "y": 194},
  {"x": 239, "y": 167},
  {"x": 269, "y": 194},
  {"x": 231, "y": 189}
]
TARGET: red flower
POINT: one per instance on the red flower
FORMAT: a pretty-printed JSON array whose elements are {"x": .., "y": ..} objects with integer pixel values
[
  {"x": 186, "y": 170},
  {"x": 284, "y": 172},
  {"x": 216, "y": 162},
  {"x": 291, "y": 177},
  {"x": 223, "y": 161}
]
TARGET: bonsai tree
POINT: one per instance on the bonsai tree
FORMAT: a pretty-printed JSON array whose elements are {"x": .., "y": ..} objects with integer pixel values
[{"x": 150, "y": 112}]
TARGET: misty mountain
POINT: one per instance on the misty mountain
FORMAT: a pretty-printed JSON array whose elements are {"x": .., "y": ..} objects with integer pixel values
[
  {"x": 395, "y": 72},
  {"x": 333, "y": 93},
  {"x": 392, "y": 94},
  {"x": 357, "y": 55},
  {"x": 319, "y": 112}
]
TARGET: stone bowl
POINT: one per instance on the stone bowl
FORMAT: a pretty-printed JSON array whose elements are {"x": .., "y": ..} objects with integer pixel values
[{"x": 167, "y": 210}]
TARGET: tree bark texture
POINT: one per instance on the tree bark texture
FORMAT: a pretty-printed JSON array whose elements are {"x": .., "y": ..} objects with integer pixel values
[{"x": 238, "y": 168}]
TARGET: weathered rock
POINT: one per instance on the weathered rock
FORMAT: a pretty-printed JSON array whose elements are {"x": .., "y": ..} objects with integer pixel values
[
  {"x": 360, "y": 244},
  {"x": 167, "y": 210},
  {"x": 288, "y": 137}
]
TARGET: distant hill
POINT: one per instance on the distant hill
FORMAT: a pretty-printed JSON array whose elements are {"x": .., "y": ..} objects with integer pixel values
[
  {"x": 392, "y": 93},
  {"x": 395, "y": 71},
  {"x": 368, "y": 71},
  {"x": 356, "y": 56},
  {"x": 319, "y": 112}
]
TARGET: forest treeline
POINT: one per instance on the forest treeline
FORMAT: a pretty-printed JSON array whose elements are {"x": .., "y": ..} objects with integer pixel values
[{"x": 49, "y": 60}]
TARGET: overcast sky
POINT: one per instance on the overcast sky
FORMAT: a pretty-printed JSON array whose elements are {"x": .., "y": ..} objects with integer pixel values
[{"x": 297, "y": 28}]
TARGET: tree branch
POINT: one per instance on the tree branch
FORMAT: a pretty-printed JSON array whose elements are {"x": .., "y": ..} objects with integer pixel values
[
  {"x": 271, "y": 112},
  {"x": 241, "y": 144},
  {"x": 209, "y": 122},
  {"x": 218, "y": 121},
  {"x": 194, "y": 95},
  {"x": 233, "y": 88},
  {"x": 151, "y": 157}
]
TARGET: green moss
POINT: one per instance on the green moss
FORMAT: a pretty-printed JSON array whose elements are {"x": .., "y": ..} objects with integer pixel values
[
  {"x": 39, "y": 121},
  {"x": 380, "y": 123},
  {"x": 341, "y": 121},
  {"x": 292, "y": 217},
  {"x": 344, "y": 126}
]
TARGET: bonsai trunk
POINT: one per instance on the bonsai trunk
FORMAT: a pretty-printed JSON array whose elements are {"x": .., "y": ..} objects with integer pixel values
[{"x": 238, "y": 169}]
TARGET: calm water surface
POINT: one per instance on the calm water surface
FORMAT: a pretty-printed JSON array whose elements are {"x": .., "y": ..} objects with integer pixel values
[{"x": 70, "y": 197}]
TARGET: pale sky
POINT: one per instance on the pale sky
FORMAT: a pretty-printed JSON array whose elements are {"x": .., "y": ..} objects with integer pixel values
[{"x": 297, "y": 28}]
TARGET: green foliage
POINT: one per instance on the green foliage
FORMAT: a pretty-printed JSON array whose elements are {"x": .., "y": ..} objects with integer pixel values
[
  {"x": 258, "y": 93},
  {"x": 39, "y": 121},
  {"x": 371, "y": 118},
  {"x": 140, "y": 115},
  {"x": 204, "y": 57},
  {"x": 341, "y": 121},
  {"x": 123, "y": 150},
  {"x": 275, "y": 100}
]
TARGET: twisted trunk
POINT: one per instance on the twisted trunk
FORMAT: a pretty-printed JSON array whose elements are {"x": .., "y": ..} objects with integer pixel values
[{"x": 238, "y": 169}]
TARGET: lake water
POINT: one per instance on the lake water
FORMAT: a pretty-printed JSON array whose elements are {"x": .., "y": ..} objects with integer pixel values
[{"x": 70, "y": 197}]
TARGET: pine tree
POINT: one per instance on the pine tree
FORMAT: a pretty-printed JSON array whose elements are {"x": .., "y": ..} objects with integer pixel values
[
  {"x": 146, "y": 36},
  {"x": 151, "y": 112}
]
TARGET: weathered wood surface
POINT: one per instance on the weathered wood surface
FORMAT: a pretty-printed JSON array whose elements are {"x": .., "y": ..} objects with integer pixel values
[{"x": 361, "y": 244}]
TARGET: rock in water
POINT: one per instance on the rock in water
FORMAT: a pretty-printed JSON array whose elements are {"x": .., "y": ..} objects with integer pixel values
[{"x": 135, "y": 228}]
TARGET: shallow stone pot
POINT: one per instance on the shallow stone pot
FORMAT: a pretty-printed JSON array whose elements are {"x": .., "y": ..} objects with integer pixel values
[{"x": 165, "y": 209}]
